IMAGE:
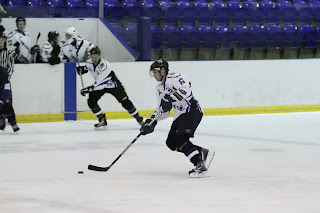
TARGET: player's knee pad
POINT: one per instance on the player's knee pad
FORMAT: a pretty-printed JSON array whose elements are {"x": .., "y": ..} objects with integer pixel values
[
  {"x": 92, "y": 103},
  {"x": 171, "y": 143}
]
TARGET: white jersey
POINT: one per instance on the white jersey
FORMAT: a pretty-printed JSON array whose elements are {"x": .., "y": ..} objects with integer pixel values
[
  {"x": 179, "y": 88},
  {"x": 103, "y": 75},
  {"x": 22, "y": 41},
  {"x": 46, "y": 50},
  {"x": 70, "y": 50}
]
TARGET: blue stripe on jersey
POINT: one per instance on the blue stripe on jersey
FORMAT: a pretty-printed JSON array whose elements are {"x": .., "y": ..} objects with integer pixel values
[
  {"x": 105, "y": 82},
  {"x": 175, "y": 76},
  {"x": 190, "y": 151},
  {"x": 164, "y": 82}
]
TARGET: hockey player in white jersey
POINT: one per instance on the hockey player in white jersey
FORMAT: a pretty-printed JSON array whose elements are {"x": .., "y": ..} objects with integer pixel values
[
  {"x": 174, "y": 91},
  {"x": 71, "y": 45},
  {"x": 20, "y": 41},
  {"x": 50, "y": 51},
  {"x": 106, "y": 81}
]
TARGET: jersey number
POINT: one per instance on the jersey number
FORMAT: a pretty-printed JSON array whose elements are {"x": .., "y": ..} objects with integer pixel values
[{"x": 181, "y": 81}]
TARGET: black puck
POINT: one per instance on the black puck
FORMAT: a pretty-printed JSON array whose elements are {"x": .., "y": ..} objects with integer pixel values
[{"x": 80, "y": 172}]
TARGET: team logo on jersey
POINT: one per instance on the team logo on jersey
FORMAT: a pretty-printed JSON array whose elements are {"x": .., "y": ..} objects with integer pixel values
[{"x": 101, "y": 65}]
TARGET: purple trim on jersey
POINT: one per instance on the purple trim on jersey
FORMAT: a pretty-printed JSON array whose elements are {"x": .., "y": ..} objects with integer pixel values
[
  {"x": 164, "y": 82},
  {"x": 105, "y": 82},
  {"x": 192, "y": 150},
  {"x": 21, "y": 32}
]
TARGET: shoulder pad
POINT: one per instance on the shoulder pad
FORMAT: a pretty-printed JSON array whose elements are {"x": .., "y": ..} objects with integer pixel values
[{"x": 12, "y": 34}]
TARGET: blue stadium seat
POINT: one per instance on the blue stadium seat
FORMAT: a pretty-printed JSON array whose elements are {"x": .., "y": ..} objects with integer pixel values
[
  {"x": 223, "y": 16},
  {"x": 133, "y": 14},
  {"x": 157, "y": 41},
  {"x": 295, "y": 40},
  {"x": 154, "y": 13},
  {"x": 76, "y": 8},
  {"x": 186, "y": 28},
  {"x": 206, "y": 16},
  {"x": 289, "y": 16},
  {"x": 314, "y": 5},
  {"x": 262, "y": 40},
  {"x": 171, "y": 15},
  {"x": 16, "y": 3},
  {"x": 204, "y": 28},
  {"x": 222, "y": 29},
  {"x": 273, "y": 28},
  {"x": 283, "y": 4},
  {"x": 116, "y": 14},
  {"x": 210, "y": 40},
  {"x": 267, "y": 4},
  {"x": 181, "y": 4},
  {"x": 227, "y": 40},
  {"x": 305, "y": 15},
  {"x": 237, "y": 29},
  {"x": 154, "y": 28},
  {"x": 310, "y": 40},
  {"x": 273, "y": 16},
  {"x": 165, "y": 4},
  {"x": 217, "y": 4},
  {"x": 290, "y": 28},
  {"x": 299, "y": 4},
  {"x": 188, "y": 15},
  {"x": 17, "y": 7},
  {"x": 306, "y": 29},
  {"x": 240, "y": 16},
  {"x": 118, "y": 28},
  {"x": 126, "y": 4},
  {"x": 57, "y": 8},
  {"x": 108, "y": 4},
  {"x": 317, "y": 16},
  {"x": 278, "y": 40},
  {"x": 192, "y": 40},
  {"x": 37, "y": 8},
  {"x": 234, "y": 4},
  {"x": 250, "y": 5},
  {"x": 131, "y": 37},
  {"x": 244, "y": 40},
  {"x": 257, "y": 28},
  {"x": 3, "y": 2},
  {"x": 174, "y": 41},
  {"x": 257, "y": 16},
  {"x": 92, "y": 7},
  {"x": 200, "y": 4},
  {"x": 144, "y": 4},
  {"x": 169, "y": 28}
]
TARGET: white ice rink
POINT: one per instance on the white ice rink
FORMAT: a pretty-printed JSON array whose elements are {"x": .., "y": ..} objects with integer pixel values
[{"x": 263, "y": 164}]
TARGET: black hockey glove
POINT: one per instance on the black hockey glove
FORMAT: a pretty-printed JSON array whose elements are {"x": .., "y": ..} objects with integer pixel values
[
  {"x": 21, "y": 59},
  {"x": 166, "y": 103},
  {"x": 35, "y": 49},
  {"x": 86, "y": 90},
  {"x": 81, "y": 70},
  {"x": 54, "y": 60},
  {"x": 148, "y": 128}
]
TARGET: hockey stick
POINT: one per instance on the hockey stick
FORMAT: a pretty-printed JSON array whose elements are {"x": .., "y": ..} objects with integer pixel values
[
  {"x": 104, "y": 169},
  {"x": 35, "y": 55},
  {"x": 78, "y": 64}
]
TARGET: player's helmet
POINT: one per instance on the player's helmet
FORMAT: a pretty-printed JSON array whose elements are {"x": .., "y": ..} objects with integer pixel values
[
  {"x": 95, "y": 50},
  {"x": 158, "y": 64},
  {"x": 20, "y": 19},
  {"x": 52, "y": 35},
  {"x": 72, "y": 31}
]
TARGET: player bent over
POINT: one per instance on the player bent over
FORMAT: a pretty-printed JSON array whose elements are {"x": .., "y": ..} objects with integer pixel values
[
  {"x": 174, "y": 90},
  {"x": 106, "y": 81},
  {"x": 6, "y": 110}
]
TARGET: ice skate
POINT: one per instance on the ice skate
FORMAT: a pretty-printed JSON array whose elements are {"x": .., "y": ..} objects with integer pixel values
[
  {"x": 203, "y": 165},
  {"x": 2, "y": 123},
  {"x": 15, "y": 127},
  {"x": 102, "y": 122}
]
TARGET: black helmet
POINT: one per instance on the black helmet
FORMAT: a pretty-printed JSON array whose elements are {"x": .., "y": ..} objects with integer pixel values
[
  {"x": 20, "y": 19},
  {"x": 158, "y": 64},
  {"x": 52, "y": 35},
  {"x": 95, "y": 50}
]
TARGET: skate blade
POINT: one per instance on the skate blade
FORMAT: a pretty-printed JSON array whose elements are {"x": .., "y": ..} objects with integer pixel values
[
  {"x": 209, "y": 159},
  {"x": 101, "y": 128},
  {"x": 199, "y": 175}
]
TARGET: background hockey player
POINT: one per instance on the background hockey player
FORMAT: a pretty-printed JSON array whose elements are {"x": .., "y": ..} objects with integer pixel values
[
  {"x": 20, "y": 41},
  {"x": 6, "y": 70},
  {"x": 50, "y": 51},
  {"x": 71, "y": 45},
  {"x": 174, "y": 90},
  {"x": 106, "y": 81}
]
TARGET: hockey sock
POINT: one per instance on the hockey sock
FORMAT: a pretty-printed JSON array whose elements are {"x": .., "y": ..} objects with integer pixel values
[
  {"x": 191, "y": 151},
  {"x": 134, "y": 113},
  {"x": 97, "y": 112},
  {"x": 11, "y": 118}
]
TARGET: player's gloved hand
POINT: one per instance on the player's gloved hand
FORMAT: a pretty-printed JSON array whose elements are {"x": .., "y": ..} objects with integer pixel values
[
  {"x": 81, "y": 70},
  {"x": 148, "y": 128},
  {"x": 54, "y": 60},
  {"x": 166, "y": 103},
  {"x": 5, "y": 96},
  {"x": 86, "y": 90},
  {"x": 21, "y": 59},
  {"x": 35, "y": 49}
]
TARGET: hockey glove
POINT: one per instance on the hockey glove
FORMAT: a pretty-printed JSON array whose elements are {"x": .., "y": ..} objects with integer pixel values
[
  {"x": 21, "y": 59},
  {"x": 35, "y": 49},
  {"x": 148, "y": 128},
  {"x": 166, "y": 103},
  {"x": 81, "y": 70},
  {"x": 54, "y": 60},
  {"x": 86, "y": 90}
]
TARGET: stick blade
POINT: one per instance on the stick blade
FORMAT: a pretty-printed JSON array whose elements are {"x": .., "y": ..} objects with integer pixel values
[{"x": 98, "y": 168}]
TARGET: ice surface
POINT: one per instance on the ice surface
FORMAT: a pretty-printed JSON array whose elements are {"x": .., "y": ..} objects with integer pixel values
[{"x": 263, "y": 164}]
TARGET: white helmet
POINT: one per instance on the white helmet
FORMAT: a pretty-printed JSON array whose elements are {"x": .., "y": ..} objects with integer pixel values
[{"x": 72, "y": 32}]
